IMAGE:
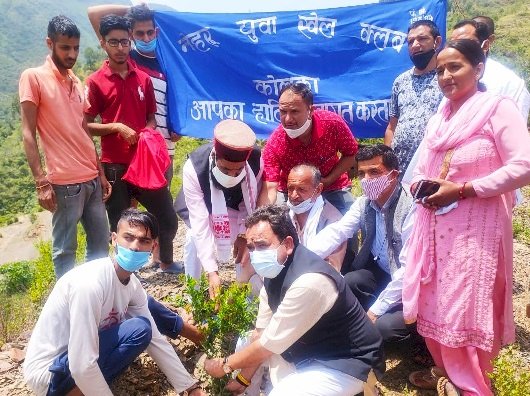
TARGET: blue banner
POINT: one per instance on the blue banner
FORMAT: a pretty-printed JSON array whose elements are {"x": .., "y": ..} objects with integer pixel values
[{"x": 234, "y": 65}]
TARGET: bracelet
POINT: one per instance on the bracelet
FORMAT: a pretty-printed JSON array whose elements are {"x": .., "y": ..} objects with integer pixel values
[
  {"x": 191, "y": 389},
  {"x": 461, "y": 192},
  {"x": 242, "y": 380},
  {"x": 42, "y": 186},
  {"x": 242, "y": 235}
]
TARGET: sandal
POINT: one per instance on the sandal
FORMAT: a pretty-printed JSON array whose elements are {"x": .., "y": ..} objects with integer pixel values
[
  {"x": 426, "y": 379},
  {"x": 446, "y": 388}
]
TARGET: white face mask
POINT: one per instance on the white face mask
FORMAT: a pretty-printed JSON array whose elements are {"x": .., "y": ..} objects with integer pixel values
[
  {"x": 294, "y": 133},
  {"x": 228, "y": 181},
  {"x": 303, "y": 206}
]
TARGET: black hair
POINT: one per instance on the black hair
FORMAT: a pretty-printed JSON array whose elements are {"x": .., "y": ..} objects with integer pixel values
[
  {"x": 140, "y": 13},
  {"x": 113, "y": 22},
  {"x": 278, "y": 218},
  {"x": 140, "y": 218},
  {"x": 486, "y": 20},
  {"x": 435, "y": 31},
  {"x": 481, "y": 29},
  {"x": 472, "y": 51},
  {"x": 301, "y": 89},
  {"x": 62, "y": 25},
  {"x": 315, "y": 172},
  {"x": 390, "y": 160}
]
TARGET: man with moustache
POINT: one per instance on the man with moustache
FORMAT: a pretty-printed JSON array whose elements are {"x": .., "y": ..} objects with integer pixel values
[
  {"x": 72, "y": 187},
  {"x": 124, "y": 98},
  {"x": 415, "y": 93},
  {"x": 308, "y": 136}
]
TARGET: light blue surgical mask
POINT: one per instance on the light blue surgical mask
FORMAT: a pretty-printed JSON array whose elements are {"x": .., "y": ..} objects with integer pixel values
[
  {"x": 265, "y": 262},
  {"x": 131, "y": 260},
  {"x": 144, "y": 47}
]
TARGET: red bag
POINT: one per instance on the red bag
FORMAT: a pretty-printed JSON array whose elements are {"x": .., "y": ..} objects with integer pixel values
[{"x": 150, "y": 161}]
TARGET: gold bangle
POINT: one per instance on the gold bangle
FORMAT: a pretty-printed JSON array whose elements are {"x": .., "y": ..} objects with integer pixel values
[
  {"x": 42, "y": 186},
  {"x": 242, "y": 380}
]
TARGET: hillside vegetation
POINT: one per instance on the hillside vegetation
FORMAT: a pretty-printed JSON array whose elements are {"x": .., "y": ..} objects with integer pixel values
[{"x": 22, "y": 45}]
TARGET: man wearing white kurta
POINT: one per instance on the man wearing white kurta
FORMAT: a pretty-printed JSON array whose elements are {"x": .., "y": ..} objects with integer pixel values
[
  {"x": 96, "y": 321},
  {"x": 219, "y": 190}
]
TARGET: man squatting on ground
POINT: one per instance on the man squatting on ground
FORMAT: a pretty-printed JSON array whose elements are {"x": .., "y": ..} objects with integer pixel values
[
  {"x": 96, "y": 321},
  {"x": 311, "y": 328},
  {"x": 220, "y": 184}
]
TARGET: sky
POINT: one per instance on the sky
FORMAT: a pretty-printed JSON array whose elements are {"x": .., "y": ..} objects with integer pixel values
[{"x": 229, "y": 6}]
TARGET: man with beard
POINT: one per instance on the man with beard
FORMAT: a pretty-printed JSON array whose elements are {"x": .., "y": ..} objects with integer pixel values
[
  {"x": 73, "y": 188},
  {"x": 219, "y": 190},
  {"x": 415, "y": 93},
  {"x": 124, "y": 98}
]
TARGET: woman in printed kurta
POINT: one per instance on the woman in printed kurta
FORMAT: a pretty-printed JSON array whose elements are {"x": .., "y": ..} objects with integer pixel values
[{"x": 458, "y": 280}]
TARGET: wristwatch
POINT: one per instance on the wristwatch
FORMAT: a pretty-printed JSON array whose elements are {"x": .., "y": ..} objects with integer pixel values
[{"x": 226, "y": 368}]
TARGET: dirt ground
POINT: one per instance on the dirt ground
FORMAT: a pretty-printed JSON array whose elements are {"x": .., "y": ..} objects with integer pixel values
[{"x": 144, "y": 378}]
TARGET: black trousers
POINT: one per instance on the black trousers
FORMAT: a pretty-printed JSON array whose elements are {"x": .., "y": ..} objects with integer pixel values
[
  {"x": 158, "y": 202},
  {"x": 366, "y": 284}
]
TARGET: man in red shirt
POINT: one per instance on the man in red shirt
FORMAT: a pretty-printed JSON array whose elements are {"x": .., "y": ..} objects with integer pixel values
[
  {"x": 124, "y": 98},
  {"x": 308, "y": 136}
]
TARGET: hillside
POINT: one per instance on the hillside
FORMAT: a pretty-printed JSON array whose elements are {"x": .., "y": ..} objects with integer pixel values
[{"x": 22, "y": 36}]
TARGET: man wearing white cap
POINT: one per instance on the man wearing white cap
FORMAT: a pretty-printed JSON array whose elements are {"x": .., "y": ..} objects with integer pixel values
[{"x": 220, "y": 184}]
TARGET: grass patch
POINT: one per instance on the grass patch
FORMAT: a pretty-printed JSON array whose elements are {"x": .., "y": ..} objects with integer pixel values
[{"x": 509, "y": 376}]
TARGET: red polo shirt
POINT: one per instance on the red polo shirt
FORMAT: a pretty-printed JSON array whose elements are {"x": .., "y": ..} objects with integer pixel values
[
  {"x": 127, "y": 100},
  {"x": 330, "y": 136}
]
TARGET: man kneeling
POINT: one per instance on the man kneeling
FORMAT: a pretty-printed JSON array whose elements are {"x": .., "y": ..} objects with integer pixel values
[
  {"x": 313, "y": 331},
  {"x": 96, "y": 321}
]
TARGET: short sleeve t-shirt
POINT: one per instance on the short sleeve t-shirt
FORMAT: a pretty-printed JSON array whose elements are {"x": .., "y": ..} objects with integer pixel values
[
  {"x": 126, "y": 100},
  {"x": 69, "y": 152},
  {"x": 415, "y": 98},
  {"x": 330, "y": 136}
]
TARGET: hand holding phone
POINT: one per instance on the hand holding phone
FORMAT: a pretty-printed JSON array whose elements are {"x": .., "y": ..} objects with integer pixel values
[{"x": 425, "y": 188}]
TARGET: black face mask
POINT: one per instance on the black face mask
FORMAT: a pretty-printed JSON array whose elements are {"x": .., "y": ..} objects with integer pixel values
[{"x": 422, "y": 59}]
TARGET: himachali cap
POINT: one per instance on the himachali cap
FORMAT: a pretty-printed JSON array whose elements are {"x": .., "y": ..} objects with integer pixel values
[{"x": 233, "y": 140}]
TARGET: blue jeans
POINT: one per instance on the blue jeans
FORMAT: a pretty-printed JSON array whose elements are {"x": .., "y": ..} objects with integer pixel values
[
  {"x": 118, "y": 347},
  {"x": 78, "y": 202},
  {"x": 167, "y": 322}
]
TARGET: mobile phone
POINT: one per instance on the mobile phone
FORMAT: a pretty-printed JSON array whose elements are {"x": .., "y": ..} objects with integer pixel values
[{"x": 426, "y": 188}]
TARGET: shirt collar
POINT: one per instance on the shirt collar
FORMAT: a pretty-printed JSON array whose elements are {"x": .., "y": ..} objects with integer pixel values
[
  {"x": 108, "y": 71},
  {"x": 53, "y": 67},
  {"x": 393, "y": 197}
]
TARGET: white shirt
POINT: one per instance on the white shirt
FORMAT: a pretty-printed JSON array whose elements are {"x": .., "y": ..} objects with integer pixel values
[
  {"x": 87, "y": 299},
  {"x": 305, "y": 302},
  {"x": 200, "y": 222},
  {"x": 500, "y": 80},
  {"x": 336, "y": 233}
]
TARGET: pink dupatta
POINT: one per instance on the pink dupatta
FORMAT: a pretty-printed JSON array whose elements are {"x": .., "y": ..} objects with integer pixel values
[{"x": 443, "y": 134}]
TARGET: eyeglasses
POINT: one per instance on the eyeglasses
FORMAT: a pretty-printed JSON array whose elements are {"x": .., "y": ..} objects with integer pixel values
[{"x": 115, "y": 42}]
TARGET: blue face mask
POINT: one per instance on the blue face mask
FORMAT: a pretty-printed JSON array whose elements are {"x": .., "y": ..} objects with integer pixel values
[
  {"x": 131, "y": 260},
  {"x": 144, "y": 47},
  {"x": 265, "y": 262}
]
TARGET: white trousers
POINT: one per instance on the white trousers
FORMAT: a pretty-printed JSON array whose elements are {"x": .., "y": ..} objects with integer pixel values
[{"x": 318, "y": 380}]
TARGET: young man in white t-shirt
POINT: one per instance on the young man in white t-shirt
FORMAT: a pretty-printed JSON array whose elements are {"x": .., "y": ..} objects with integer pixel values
[{"x": 97, "y": 321}]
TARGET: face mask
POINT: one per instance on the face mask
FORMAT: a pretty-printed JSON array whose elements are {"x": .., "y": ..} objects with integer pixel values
[
  {"x": 131, "y": 260},
  {"x": 302, "y": 207},
  {"x": 294, "y": 133},
  {"x": 227, "y": 181},
  {"x": 373, "y": 188},
  {"x": 422, "y": 59},
  {"x": 144, "y": 47},
  {"x": 265, "y": 262}
]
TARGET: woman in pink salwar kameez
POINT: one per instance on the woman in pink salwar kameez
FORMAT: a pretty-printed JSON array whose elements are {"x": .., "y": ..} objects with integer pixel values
[{"x": 458, "y": 279}]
